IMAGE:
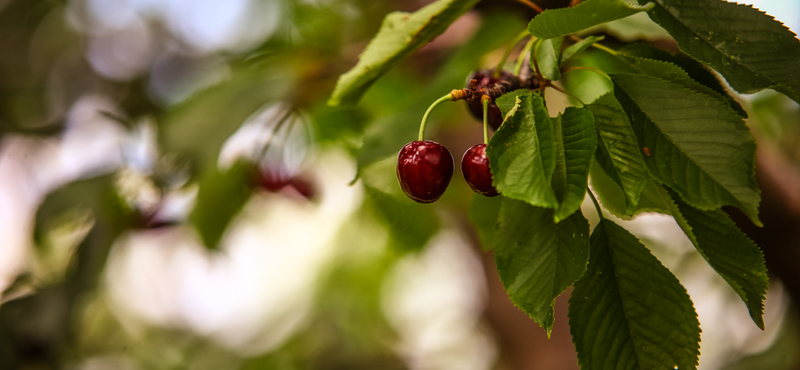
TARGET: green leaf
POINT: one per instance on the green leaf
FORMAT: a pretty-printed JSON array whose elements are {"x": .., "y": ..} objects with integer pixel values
[
  {"x": 484, "y": 213},
  {"x": 629, "y": 311},
  {"x": 729, "y": 251},
  {"x": 220, "y": 197},
  {"x": 692, "y": 142},
  {"x": 613, "y": 199},
  {"x": 618, "y": 153},
  {"x": 579, "y": 47},
  {"x": 410, "y": 224},
  {"x": 666, "y": 70},
  {"x": 566, "y": 21},
  {"x": 547, "y": 55},
  {"x": 749, "y": 48},
  {"x": 401, "y": 34},
  {"x": 538, "y": 259},
  {"x": 576, "y": 142},
  {"x": 522, "y": 153}
]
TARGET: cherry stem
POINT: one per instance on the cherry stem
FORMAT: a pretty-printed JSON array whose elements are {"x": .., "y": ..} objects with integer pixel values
[
  {"x": 568, "y": 94},
  {"x": 525, "y": 51},
  {"x": 510, "y": 48},
  {"x": 428, "y": 112},
  {"x": 532, "y": 5},
  {"x": 585, "y": 68},
  {"x": 485, "y": 102},
  {"x": 596, "y": 205}
]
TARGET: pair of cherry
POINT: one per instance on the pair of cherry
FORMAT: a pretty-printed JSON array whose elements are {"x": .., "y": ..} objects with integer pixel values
[{"x": 425, "y": 168}]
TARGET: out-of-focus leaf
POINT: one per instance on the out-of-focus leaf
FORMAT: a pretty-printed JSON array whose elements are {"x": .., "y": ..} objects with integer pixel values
[
  {"x": 547, "y": 55},
  {"x": 629, "y": 311},
  {"x": 566, "y": 21},
  {"x": 692, "y": 142},
  {"x": 579, "y": 47},
  {"x": 220, "y": 197},
  {"x": 635, "y": 27},
  {"x": 484, "y": 213},
  {"x": 400, "y": 34},
  {"x": 749, "y": 48},
  {"x": 538, "y": 259}
]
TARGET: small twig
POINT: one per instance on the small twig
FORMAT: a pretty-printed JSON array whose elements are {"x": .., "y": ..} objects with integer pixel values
[{"x": 532, "y": 5}]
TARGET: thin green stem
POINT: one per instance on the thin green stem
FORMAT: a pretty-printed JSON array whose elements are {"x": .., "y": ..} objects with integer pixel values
[
  {"x": 596, "y": 45},
  {"x": 525, "y": 51},
  {"x": 585, "y": 68},
  {"x": 485, "y": 103},
  {"x": 568, "y": 94},
  {"x": 428, "y": 113},
  {"x": 596, "y": 204},
  {"x": 510, "y": 49}
]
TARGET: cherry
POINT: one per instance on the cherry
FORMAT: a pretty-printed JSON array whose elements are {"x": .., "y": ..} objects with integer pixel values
[
  {"x": 485, "y": 79},
  {"x": 424, "y": 169},
  {"x": 475, "y": 168}
]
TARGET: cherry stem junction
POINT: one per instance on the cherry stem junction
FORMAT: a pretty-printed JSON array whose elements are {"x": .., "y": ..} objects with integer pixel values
[{"x": 428, "y": 112}]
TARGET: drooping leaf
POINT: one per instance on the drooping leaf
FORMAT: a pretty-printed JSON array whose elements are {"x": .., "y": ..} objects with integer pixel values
[
  {"x": 629, "y": 311},
  {"x": 749, "y": 48},
  {"x": 613, "y": 199},
  {"x": 401, "y": 34},
  {"x": 729, "y": 251},
  {"x": 522, "y": 153},
  {"x": 576, "y": 142},
  {"x": 220, "y": 197},
  {"x": 566, "y": 21},
  {"x": 692, "y": 142},
  {"x": 696, "y": 70},
  {"x": 547, "y": 57},
  {"x": 538, "y": 259},
  {"x": 484, "y": 213},
  {"x": 579, "y": 47},
  {"x": 618, "y": 153}
]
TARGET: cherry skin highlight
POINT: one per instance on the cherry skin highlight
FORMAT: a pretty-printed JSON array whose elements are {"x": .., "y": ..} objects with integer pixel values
[
  {"x": 475, "y": 168},
  {"x": 424, "y": 170},
  {"x": 485, "y": 79}
]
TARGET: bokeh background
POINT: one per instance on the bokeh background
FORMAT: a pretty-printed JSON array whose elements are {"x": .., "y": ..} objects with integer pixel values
[{"x": 176, "y": 194}]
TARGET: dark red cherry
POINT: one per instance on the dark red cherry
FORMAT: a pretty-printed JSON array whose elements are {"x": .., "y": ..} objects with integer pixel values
[
  {"x": 485, "y": 79},
  {"x": 475, "y": 167},
  {"x": 424, "y": 169}
]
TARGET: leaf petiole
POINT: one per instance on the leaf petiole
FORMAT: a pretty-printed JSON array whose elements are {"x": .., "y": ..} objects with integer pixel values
[
  {"x": 585, "y": 68},
  {"x": 525, "y": 51},
  {"x": 510, "y": 48},
  {"x": 596, "y": 204}
]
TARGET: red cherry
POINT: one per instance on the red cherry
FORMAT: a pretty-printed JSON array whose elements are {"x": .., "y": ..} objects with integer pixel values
[
  {"x": 424, "y": 169},
  {"x": 486, "y": 79},
  {"x": 475, "y": 168}
]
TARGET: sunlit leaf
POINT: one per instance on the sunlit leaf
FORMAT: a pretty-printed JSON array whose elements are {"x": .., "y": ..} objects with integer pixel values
[
  {"x": 749, "y": 48},
  {"x": 692, "y": 142},
  {"x": 629, "y": 311},
  {"x": 522, "y": 153},
  {"x": 538, "y": 259},
  {"x": 566, "y": 21},
  {"x": 576, "y": 142},
  {"x": 484, "y": 213},
  {"x": 401, "y": 34}
]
